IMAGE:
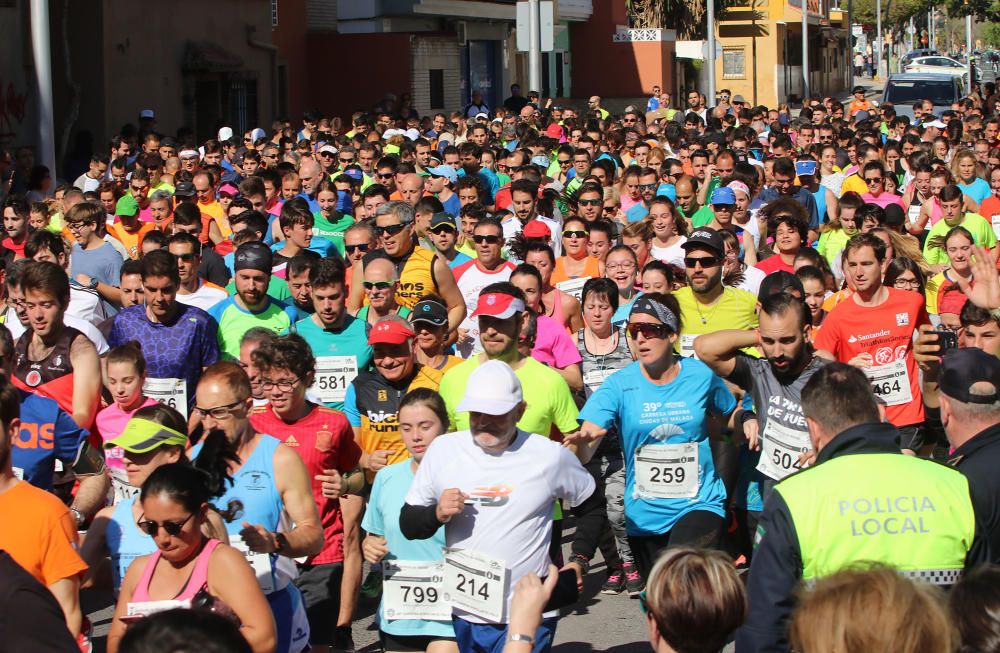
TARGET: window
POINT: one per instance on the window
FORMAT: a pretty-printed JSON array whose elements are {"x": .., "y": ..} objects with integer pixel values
[
  {"x": 436, "y": 76},
  {"x": 274, "y": 13},
  {"x": 734, "y": 63}
]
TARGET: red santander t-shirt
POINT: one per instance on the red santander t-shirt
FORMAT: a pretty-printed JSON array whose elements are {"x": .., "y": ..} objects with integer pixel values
[
  {"x": 885, "y": 332},
  {"x": 324, "y": 440},
  {"x": 775, "y": 263}
]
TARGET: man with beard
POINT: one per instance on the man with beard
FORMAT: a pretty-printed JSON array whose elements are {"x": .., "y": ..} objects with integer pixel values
[
  {"x": 524, "y": 205},
  {"x": 706, "y": 305},
  {"x": 494, "y": 533},
  {"x": 250, "y": 306},
  {"x": 775, "y": 382}
]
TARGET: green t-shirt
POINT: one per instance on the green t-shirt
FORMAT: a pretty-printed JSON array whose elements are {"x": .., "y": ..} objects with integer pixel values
[
  {"x": 350, "y": 340},
  {"x": 701, "y": 217},
  {"x": 277, "y": 288},
  {"x": 831, "y": 244},
  {"x": 332, "y": 231},
  {"x": 549, "y": 401},
  {"x": 981, "y": 230},
  {"x": 735, "y": 309},
  {"x": 234, "y": 321}
]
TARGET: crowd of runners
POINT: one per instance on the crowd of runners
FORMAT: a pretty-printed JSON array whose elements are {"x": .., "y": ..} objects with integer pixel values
[{"x": 747, "y": 356}]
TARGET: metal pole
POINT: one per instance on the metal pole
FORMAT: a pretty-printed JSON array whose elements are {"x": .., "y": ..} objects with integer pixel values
[
  {"x": 913, "y": 29},
  {"x": 805, "y": 49},
  {"x": 968, "y": 49},
  {"x": 535, "y": 49},
  {"x": 710, "y": 29},
  {"x": 43, "y": 79},
  {"x": 850, "y": 44},
  {"x": 878, "y": 38}
]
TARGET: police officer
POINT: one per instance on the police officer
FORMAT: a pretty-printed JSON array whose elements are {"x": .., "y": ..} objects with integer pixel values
[{"x": 862, "y": 501}]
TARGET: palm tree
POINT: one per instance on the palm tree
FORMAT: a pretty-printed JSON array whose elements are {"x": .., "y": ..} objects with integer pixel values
[{"x": 688, "y": 18}]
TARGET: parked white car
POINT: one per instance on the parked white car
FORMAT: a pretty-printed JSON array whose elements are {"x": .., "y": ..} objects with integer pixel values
[{"x": 940, "y": 65}]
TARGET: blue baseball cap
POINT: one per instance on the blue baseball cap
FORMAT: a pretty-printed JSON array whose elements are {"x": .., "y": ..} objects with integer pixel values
[
  {"x": 447, "y": 172},
  {"x": 723, "y": 195},
  {"x": 805, "y": 168}
]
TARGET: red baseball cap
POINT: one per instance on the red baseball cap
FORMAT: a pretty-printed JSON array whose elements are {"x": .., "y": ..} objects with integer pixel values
[
  {"x": 536, "y": 229},
  {"x": 497, "y": 304},
  {"x": 389, "y": 332}
]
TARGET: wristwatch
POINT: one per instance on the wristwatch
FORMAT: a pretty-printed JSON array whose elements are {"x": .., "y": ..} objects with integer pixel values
[
  {"x": 93, "y": 283},
  {"x": 747, "y": 416},
  {"x": 78, "y": 516},
  {"x": 516, "y": 637},
  {"x": 280, "y": 542},
  {"x": 580, "y": 560}
]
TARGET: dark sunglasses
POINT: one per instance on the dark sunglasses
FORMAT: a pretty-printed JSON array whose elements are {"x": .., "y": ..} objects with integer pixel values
[
  {"x": 479, "y": 239},
  {"x": 440, "y": 229},
  {"x": 392, "y": 229},
  {"x": 173, "y": 528},
  {"x": 589, "y": 202},
  {"x": 385, "y": 175},
  {"x": 377, "y": 285},
  {"x": 874, "y": 180},
  {"x": 575, "y": 234},
  {"x": 352, "y": 248},
  {"x": 705, "y": 261},
  {"x": 141, "y": 189},
  {"x": 184, "y": 257},
  {"x": 648, "y": 186},
  {"x": 648, "y": 330},
  {"x": 565, "y": 162},
  {"x": 346, "y": 161}
]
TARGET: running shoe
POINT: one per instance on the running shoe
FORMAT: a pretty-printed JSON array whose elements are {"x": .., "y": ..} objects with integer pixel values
[
  {"x": 633, "y": 581},
  {"x": 615, "y": 583}
]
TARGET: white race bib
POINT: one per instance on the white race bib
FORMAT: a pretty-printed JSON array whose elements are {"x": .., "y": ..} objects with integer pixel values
[
  {"x": 890, "y": 382},
  {"x": 261, "y": 563},
  {"x": 476, "y": 583},
  {"x": 667, "y": 471},
  {"x": 172, "y": 392},
  {"x": 687, "y": 344},
  {"x": 595, "y": 377},
  {"x": 333, "y": 375},
  {"x": 414, "y": 589},
  {"x": 913, "y": 213},
  {"x": 19, "y": 473},
  {"x": 780, "y": 449},
  {"x": 995, "y": 221},
  {"x": 146, "y": 608},
  {"x": 120, "y": 488},
  {"x": 573, "y": 286}
]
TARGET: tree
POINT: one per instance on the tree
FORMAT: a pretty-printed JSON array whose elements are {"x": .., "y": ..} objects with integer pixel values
[
  {"x": 688, "y": 18},
  {"x": 981, "y": 10}
]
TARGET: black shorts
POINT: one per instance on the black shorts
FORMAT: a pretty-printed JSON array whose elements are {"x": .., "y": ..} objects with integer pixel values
[
  {"x": 409, "y": 642},
  {"x": 320, "y": 587}
]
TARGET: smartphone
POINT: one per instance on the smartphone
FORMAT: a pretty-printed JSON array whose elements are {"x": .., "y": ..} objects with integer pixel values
[
  {"x": 565, "y": 592},
  {"x": 947, "y": 339}
]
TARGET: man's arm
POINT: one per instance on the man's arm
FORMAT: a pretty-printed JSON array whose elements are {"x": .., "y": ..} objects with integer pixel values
[
  {"x": 293, "y": 483},
  {"x": 67, "y": 593},
  {"x": 718, "y": 350},
  {"x": 357, "y": 297},
  {"x": 91, "y": 494},
  {"x": 775, "y": 571},
  {"x": 448, "y": 288},
  {"x": 86, "y": 380}
]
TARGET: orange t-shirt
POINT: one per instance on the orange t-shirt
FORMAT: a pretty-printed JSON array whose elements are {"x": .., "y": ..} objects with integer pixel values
[
  {"x": 884, "y": 332},
  {"x": 990, "y": 209},
  {"x": 131, "y": 241},
  {"x": 592, "y": 268},
  {"x": 40, "y": 534}
]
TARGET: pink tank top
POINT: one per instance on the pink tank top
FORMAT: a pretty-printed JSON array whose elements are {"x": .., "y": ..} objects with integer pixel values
[
  {"x": 557, "y": 308},
  {"x": 198, "y": 579}
]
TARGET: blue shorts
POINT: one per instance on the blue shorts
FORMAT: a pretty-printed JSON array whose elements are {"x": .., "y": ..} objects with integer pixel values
[
  {"x": 490, "y": 638},
  {"x": 290, "y": 619}
]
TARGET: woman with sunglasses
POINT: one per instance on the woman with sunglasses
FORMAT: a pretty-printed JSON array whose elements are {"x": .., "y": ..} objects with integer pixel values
[
  {"x": 576, "y": 265},
  {"x": 660, "y": 406},
  {"x": 187, "y": 566},
  {"x": 156, "y": 435}
]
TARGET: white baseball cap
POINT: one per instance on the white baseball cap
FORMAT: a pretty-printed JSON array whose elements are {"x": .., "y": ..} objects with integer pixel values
[
  {"x": 493, "y": 388},
  {"x": 147, "y": 114},
  {"x": 225, "y": 133}
]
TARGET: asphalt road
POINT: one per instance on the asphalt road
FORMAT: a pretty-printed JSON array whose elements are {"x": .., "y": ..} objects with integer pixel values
[{"x": 599, "y": 622}]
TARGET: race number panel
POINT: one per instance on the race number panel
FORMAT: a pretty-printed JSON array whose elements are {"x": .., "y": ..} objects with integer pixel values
[
  {"x": 172, "y": 392},
  {"x": 687, "y": 345},
  {"x": 146, "y": 608},
  {"x": 573, "y": 286},
  {"x": 476, "y": 583},
  {"x": 261, "y": 563},
  {"x": 890, "y": 382},
  {"x": 667, "y": 471},
  {"x": 414, "y": 589},
  {"x": 333, "y": 375},
  {"x": 780, "y": 450},
  {"x": 594, "y": 378}
]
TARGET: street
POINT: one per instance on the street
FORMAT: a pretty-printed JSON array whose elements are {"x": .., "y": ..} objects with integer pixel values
[{"x": 599, "y": 622}]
